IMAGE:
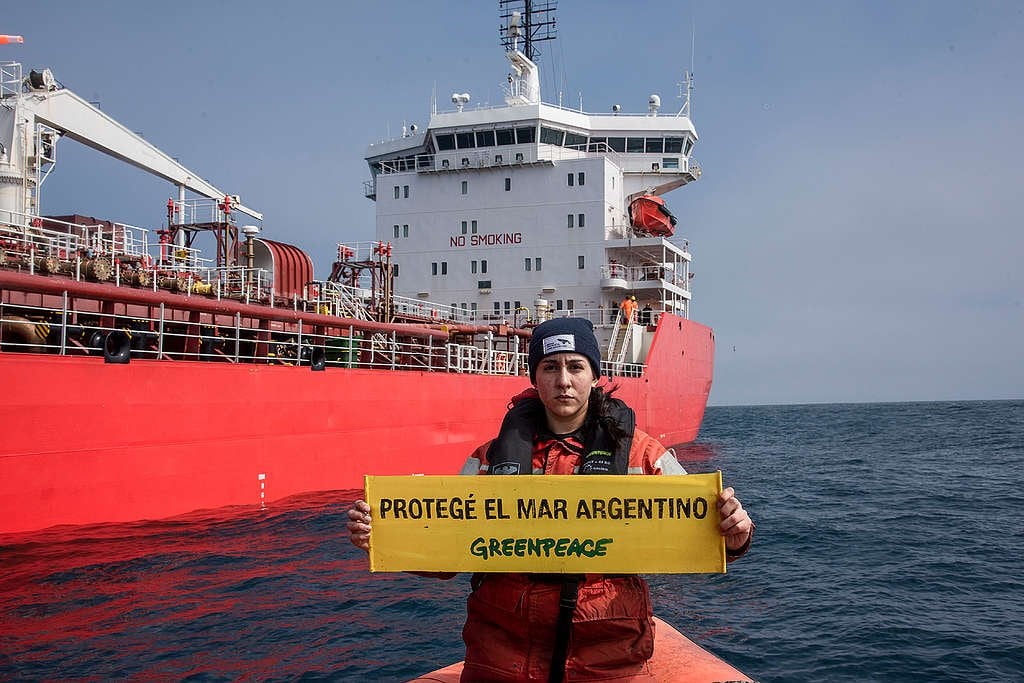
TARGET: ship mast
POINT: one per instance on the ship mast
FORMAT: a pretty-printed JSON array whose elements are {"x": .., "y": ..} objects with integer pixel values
[{"x": 536, "y": 20}]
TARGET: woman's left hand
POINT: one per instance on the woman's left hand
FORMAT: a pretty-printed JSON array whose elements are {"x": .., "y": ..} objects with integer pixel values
[{"x": 736, "y": 524}]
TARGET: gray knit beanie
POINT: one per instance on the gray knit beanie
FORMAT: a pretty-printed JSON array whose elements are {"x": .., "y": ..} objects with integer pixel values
[{"x": 561, "y": 335}]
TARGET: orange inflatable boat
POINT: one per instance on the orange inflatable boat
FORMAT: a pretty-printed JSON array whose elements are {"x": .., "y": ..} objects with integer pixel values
[{"x": 676, "y": 658}]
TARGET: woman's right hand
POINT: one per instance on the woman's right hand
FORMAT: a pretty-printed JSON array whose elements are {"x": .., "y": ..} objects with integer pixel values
[{"x": 359, "y": 525}]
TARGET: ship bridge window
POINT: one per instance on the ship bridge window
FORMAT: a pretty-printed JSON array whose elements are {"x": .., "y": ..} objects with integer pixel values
[
  {"x": 597, "y": 145},
  {"x": 505, "y": 136},
  {"x": 673, "y": 145},
  {"x": 654, "y": 145},
  {"x": 485, "y": 138},
  {"x": 446, "y": 142},
  {"x": 551, "y": 136},
  {"x": 688, "y": 146},
  {"x": 634, "y": 144},
  {"x": 575, "y": 141},
  {"x": 465, "y": 140},
  {"x": 617, "y": 144},
  {"x": 527, "y": 134},
  {"x": 670, "y": 162}
]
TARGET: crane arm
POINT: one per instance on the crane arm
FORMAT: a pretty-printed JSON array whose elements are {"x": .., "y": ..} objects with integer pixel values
[{"x": 75, "y": 118}]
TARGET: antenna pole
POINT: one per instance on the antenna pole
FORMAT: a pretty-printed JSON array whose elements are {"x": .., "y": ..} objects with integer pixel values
[{"x": 537, "y": 24}]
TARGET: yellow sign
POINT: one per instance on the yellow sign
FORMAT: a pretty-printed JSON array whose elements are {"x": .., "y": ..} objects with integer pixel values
[{"x": 551, "y": 524}]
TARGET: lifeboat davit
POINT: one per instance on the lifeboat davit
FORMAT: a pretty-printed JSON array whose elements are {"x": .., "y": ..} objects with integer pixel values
[
  {"x": 648, "y": 213},
  {"x": 676, "y": 658}
]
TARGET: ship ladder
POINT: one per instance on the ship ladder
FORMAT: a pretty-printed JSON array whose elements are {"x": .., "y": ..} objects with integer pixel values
[{"x": 618, "y": 356}]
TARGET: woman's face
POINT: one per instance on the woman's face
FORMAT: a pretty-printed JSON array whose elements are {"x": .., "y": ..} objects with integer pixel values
[{"x": 564, "y": 381}]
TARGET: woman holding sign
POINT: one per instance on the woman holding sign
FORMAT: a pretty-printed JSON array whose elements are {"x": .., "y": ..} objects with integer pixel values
[{"x": 566, "y": 627}]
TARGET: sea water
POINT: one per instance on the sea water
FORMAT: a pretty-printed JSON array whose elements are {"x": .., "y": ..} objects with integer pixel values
[{"x": 888, "y": 546}]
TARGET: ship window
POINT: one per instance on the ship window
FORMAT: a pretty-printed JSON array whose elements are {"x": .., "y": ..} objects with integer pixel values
[
  {"x": 654, "y": 145},
  {"x": 465, "y": 227},
  {"x": 444, "y": 267},
  {"x": 519, "y": 156},
  {"x": 617, "y": 144},
  {"x": 465, "y": 187},
  {"x": 398, "y": 191},
  {"x": 536, "y": 264},
  {"x": 551, "y": 136},
  {"x": 579, "y": 220},
  {"x": 571, "y": 223},
  {"x": 433, "y": 268},
  {"x": 581, "y": 178},
  {"x": 405, "y": 231},
  {"x": 508, "y": 184},
  {"x": 576, "y": 141},
  {"x": 473, "y": 225},
  {"x": 405, "y": 190},
  {"x": 570, "y": 304},
  {"x": 527, "y": 263},
  {"x": 396, "y": 232},
  {"x": 482, "y": 284},
  {"x": 497, "y": 308},
  {"x": 517, "y": 304},
  {"x": 558, "y": 305},
  {"x": 505, "y": 136},
  {"x": 472, "y": 307},
  {"x": 688, "y": 146},
  {"x": 465, "y": 161},
  {"x": 597, "y": 144},
  {"x": 571, "y": 180},
  {"x": 394, "y": 270},
  {"x": 634, "y": 144},
  {"x": 497, "y": 158},
  {"x": 472, "y": 267},
  {"x": 445, "y": 142},
  {"x": 527, "y": 134},
  {"x": 485, "y": 138},
  {"x": 670, "y": 162},
  {"x": 581, "y": 262},
  {"x": 444, "y": 163},
  {"x": 464, "y": 140},
  {"x": 508, "y": 307},
  {"x": 673, "y": 145},
  {"x": 483, "y": 266}
]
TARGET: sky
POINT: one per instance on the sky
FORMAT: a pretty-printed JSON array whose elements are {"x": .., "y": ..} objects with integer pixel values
[{"x": 857, "y": 231}]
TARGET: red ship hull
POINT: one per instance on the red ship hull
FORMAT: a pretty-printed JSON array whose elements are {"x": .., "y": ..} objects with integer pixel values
[{"x": 85, "y": 441}]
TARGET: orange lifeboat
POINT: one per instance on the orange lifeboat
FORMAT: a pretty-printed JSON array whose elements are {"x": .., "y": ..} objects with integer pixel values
[
  {"x": 676, "y": 658},
  {"x": 648, "y": 213}
]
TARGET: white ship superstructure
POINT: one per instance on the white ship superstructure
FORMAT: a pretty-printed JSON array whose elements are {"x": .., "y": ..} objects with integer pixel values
[{"x": 519, "y": 211}]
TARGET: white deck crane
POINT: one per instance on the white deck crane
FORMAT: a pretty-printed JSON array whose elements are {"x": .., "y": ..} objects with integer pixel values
[{"x": 36, "y": 112}]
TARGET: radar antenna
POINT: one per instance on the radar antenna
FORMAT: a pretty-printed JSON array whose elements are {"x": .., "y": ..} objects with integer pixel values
[{"x": 531, "y": 20}]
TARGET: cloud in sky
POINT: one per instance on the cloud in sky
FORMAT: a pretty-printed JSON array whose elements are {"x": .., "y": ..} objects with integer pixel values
[{"x": 857, "y": 229}]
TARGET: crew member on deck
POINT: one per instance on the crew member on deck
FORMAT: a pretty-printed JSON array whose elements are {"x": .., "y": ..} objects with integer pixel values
[
  {"x": 515, "y": 628},
  {"x": 628, "y": 308}
]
